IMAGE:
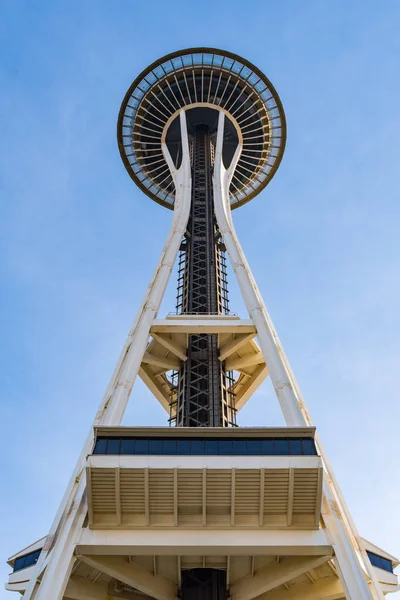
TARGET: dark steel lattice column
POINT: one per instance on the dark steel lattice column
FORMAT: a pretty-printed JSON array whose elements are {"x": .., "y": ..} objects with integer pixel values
[{"x": 203, "y": 398}]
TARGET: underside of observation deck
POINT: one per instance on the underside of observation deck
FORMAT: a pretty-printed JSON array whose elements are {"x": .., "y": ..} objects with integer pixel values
[{"x": 201, "y": 77}]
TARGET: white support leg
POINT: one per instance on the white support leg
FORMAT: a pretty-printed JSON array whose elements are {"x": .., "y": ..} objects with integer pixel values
[
  {"x": 69, "y": 519},
  {"x": 352, "y": 563}
]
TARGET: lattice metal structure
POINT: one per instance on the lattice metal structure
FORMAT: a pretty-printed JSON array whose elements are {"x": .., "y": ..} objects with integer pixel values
[
  {"x": 204, "y": 398},
  {"x": 202, "y": 511}
]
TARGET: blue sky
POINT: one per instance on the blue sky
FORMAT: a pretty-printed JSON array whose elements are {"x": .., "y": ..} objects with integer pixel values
[{"x": 79, "y": 242}]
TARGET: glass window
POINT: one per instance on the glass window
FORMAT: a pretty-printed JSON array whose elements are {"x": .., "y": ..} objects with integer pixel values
[
  {"x": 169, "y": 447},
  {"x": 197, "y": 447},
  {"x": 127, "y": 446},
  {"x": 100, "y": 446},
  {"x": 281, "y": 447},
  {"x": 225, "y": 447},
  {"x": 295, "y": 447},
  {"x": 141, "y": 446},
  {"x": 27, "y": 561},
  {"x": 32, "y": 558},
  {"x": 184, "y": 447},
  {"x": 211, "y": 447},
  {"x": 19, "y": 563},
  {"x": 155, "y": 447},
  {"x": 308, "y": 447},
  {"x": 239, "y": 447},
  {"x": 267, "y": 447},
  {"x": 254, "y": 447},
  {"x": 113, "y": 445},
  {"x": 380, "y": 562}
]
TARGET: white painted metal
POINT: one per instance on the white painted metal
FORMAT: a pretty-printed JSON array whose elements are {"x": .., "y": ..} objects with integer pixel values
[
  {"x": 67, "y": 534},
  {"x": 111, "y": 461},
  {"x": 71, "y": 513},
  {"x": 276, "y": 575},
  {"x": 237, "y": 542},
  {"x": 136, "y": 576},
  {"x": 352, "y": 564}
]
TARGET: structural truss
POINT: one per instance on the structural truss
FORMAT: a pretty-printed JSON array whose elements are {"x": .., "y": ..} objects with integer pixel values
[{"x": 202, "y": 510}]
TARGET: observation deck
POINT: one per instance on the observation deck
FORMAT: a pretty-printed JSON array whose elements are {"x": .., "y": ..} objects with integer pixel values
[
  {"x": 198, "y": 80},
  {"x": 204, "y": 477}
]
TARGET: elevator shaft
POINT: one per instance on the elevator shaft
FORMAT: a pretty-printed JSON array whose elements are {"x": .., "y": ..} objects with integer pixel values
[{"x": 204, "y": 399}]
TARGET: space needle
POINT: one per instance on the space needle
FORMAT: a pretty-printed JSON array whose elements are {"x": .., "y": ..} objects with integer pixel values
[{"x": 201, "y": 508}]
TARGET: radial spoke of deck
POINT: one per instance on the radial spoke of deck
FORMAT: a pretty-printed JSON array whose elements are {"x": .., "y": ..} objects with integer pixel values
[
  {"x": 167, "y": 99},
  {"x": 247, "y": 181},
  {"x": 253, "y": 176},
  {"x": 187, "y": 87},
  {"x": 194, "y": 85},
  {"x": 150, "y": 150},
  {"x": 223, "y": 93},
  {"x": 152, "y": 117},
  {"x": 242, "y": 103},
  {"x": 246, "y": 162},
  {"x": 250, "y": 116},
  {"x": 237, "y": 98},
  {"x": 168, "y": 112},
  {"x": 180, "y": 91},
  {"x": 231, "y": 94},
  {"x": 140, "y": 126},
  {"x": 217, "y": 88},
  {"x": 173, "y": 93},
  {"x": 209, "y": 85},
  {"x": 258, "y": 127},
  {"x": 154, "y": 162}
]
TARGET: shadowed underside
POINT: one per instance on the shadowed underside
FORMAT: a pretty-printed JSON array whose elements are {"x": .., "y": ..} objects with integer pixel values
[{"x": 201, "y": 77}]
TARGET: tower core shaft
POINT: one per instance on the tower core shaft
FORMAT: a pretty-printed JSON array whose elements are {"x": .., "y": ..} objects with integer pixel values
[{"x": 203, "y": 386}]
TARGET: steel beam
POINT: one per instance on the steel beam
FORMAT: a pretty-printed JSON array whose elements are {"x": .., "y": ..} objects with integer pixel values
[{"x": 134, "y": 575}]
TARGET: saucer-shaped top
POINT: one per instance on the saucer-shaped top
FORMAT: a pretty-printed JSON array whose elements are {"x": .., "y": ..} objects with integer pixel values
[{"x": 196, "y": 78}]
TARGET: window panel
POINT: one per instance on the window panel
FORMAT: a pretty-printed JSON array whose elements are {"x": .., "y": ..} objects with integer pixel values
[
  {"x": 169, "y": 447},
  {"x": 380, "y": 562},
  {"x": 184, "y": 447},
  {"x": 211, "y": 447},
  {"x": 308, "y": 447},
  {"x": 254, "y": 447},
  {"x": 128, "y": 446},
  {"x": 281, "y": 447},
  {"x": 239, "y": 447},
  {"x": 19, "y": 563},
  {"x": 100, "y": 447},
  {"x": 27, "y": 561},
  {"x": 267, "y": 447},
  {"x": 225, "y": 447},
  {"x": 197, "y": 447},
  {"x": 155, "y": 447},
  {"x": 31, "y": 559},
  {"x": 295, "y": 447},
  {"x": 113, "y": 445},
  {"x": 141, "y": 446}
]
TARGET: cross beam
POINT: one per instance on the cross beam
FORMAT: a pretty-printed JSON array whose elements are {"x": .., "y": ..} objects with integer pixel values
[{"x": 134, "y": 575}]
